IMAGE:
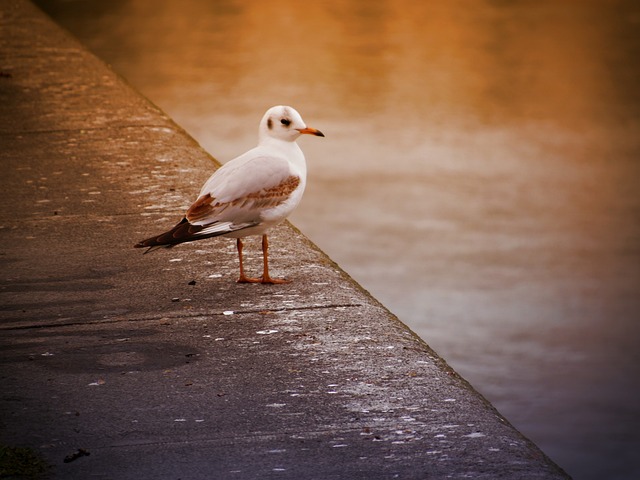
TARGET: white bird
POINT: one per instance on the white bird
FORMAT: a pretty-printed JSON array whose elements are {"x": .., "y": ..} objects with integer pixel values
[{"x": 251, "y": 193}]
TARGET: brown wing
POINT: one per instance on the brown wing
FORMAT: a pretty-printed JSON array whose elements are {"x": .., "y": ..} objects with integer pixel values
[
  {"x": 202, "y": 208},
  {"x": 207, "y": 210}
]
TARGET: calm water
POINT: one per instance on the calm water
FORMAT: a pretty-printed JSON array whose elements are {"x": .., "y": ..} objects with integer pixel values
[{"x": 480, "y": 175}]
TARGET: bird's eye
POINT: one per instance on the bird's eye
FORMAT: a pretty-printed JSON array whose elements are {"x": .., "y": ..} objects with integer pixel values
[{"x": 286, "y": 122}]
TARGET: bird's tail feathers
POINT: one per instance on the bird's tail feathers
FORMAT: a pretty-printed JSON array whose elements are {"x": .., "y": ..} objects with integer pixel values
[
  {"x": 177, "y": 234},
  {"x": 187, "y": 232}
]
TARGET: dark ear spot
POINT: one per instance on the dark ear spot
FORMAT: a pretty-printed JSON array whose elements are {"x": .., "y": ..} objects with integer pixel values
[{"x": 269, "y": 124}]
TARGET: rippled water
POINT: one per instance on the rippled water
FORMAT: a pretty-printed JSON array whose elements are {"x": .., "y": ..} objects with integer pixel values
[{"x": 480, "y": 175}]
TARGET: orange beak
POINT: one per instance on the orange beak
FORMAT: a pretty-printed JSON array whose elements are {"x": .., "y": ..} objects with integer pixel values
[{"x": 311, "y": 131}]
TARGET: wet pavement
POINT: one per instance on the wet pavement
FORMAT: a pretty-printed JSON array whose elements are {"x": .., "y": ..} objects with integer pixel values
[{"x": 119, "y": 365}]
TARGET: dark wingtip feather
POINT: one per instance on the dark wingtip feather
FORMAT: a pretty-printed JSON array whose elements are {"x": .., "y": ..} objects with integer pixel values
[{"x": 182, "y": 232}]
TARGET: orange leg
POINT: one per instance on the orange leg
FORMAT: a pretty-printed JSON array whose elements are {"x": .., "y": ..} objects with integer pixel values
[
  {"x": 243, "y": 278},
  {"x": 265, "y": 257}
]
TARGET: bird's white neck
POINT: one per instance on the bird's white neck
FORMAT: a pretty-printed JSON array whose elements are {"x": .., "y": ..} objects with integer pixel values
[{"x": 289, "y": 150}]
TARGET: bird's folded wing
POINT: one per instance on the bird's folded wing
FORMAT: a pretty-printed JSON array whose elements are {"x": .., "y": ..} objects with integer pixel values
[
  {"x": 240, "y": 198},
  {"x": 186, "y": 232}
]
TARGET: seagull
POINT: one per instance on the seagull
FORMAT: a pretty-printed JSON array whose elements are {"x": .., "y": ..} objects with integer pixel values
[{"x": 249, "y": 194}]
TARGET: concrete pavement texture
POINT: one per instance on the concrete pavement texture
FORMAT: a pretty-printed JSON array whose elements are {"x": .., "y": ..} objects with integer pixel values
[{"x": 123, "y": 366}]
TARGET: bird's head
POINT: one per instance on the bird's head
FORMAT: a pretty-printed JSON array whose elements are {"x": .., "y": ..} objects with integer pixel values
[{"x": 284, "y": 123}]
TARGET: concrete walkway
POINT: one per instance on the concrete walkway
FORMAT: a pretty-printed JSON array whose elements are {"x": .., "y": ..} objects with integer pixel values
[{"x": 161, "y": 366}]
